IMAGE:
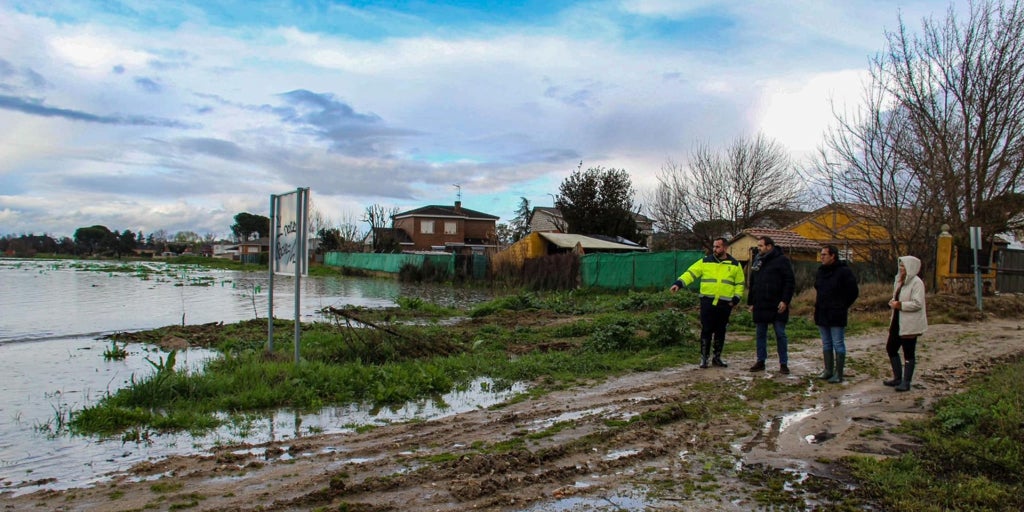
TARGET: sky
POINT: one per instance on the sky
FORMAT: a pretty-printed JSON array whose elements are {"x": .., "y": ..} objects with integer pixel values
[{"x": 176, "y": 115}]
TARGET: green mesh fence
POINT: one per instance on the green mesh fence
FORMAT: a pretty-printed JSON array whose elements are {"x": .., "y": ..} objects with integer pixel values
[
  {"x": 635, "y": 270},
  {"x": 392, "y": 263}
]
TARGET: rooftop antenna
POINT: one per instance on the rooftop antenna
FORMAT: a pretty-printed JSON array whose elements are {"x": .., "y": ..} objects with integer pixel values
[{"x": 458, "y": 195}]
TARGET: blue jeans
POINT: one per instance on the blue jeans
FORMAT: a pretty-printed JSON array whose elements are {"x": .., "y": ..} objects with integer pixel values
[
  {"x": 781, "y": 341},
  {"x": 833, "y": 339}
]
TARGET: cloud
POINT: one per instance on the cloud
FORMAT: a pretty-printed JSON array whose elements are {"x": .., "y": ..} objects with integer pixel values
[
  {"x": 148, "y": 84},
  {"x": 36, "y": 107},
  {"x": 224, "y": 105}
]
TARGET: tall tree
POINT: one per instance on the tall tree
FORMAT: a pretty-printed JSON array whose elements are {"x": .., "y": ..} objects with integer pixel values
[
  {"x": 598, "y": 201},
  {"x": 961, "y": 87},
  {"x": 722, "y": 193},
  {"x": 247, "y": 225},
  {"x": 95, "y": 240},
  {"x": 860, "y": 164},
  {"x": 940, "y": 137},
  {"x": 519, "y": 226},
  {"x": 126, "y": 243}
]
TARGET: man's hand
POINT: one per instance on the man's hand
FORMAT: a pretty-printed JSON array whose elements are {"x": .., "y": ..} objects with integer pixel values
[
  {"x": 782, "y": 307},
  {"x": 674, "y": 289}
]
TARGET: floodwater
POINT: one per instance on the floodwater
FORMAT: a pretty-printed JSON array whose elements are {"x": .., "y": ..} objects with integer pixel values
[{"x": 52, "y": 314}]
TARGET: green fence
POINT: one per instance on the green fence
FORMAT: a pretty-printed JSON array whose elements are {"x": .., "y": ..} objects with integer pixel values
[
  {"x": 635, "y": 270},
  {"x": 392, "y": 263}
]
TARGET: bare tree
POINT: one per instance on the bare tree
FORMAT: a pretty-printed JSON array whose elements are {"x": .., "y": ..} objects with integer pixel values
[
  {"x": 961, "y": 87},
  {"x": 940, "y": 137},
  {"x": 722, "y": 193},
  {"x": 860, "y": 166},
  {"x": 351, "y": 235},
  {"x": 379, "y": 217}
]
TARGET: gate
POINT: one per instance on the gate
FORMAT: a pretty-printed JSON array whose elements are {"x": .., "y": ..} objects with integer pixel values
[{"x": 1010, "y": 273}]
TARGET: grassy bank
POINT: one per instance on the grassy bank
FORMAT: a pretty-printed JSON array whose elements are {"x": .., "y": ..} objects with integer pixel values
[
  {"x": 411, "y": 352},
  {"x": 971, "y": 453}
]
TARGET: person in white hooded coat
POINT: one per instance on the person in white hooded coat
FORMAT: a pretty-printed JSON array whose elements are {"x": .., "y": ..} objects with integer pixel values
[{"x": 909, "y": 321}]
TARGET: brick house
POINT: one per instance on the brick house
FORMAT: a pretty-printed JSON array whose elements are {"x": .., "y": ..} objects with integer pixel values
[{"x": 447, "y": 228}]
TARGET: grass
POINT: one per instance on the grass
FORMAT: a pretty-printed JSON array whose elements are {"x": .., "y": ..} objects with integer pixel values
[
  {"x": 971, "y": 454},
  {"x": 592, "y": 336}
]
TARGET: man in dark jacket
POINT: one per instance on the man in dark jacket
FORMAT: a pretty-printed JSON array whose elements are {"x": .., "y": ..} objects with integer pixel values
[
  {"x": 771, "y": 289},
  {"x": 836, "y": 288}
]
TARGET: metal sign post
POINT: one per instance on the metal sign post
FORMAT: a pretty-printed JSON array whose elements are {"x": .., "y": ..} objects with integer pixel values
[
  {"x": 288, "y": 253},
  {"x": 975, "y": 233}
]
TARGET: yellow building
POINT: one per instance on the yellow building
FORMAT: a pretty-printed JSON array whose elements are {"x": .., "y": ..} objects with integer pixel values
[
  {"x": 848, "y": 227},
  {"x": 797, "y": 248}
]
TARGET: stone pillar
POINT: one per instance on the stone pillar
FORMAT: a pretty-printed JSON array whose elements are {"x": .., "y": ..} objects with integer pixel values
[{"x": 944, "y": 259}]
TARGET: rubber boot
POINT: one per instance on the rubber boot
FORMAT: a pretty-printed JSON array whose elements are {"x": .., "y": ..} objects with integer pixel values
[
  {"x": 705, "y": 351},
  {"x": 897, "y": 372},
  {"x": 837, "y": 376},
  {"x": 830, "y": 363},
  {"x": 908, "y": 374},
  {"x": 717, "y": 360}
]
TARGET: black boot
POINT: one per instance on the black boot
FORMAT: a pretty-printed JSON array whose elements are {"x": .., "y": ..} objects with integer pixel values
[
  {"x": 705, "y": 351},
  {"x": 830, "y": 363},
  {"x": 717, "y": 360},
  {"x": 897, "y": 372},
  {"x": 837, "y": 376},
  {"x": 908, "y": 374}
]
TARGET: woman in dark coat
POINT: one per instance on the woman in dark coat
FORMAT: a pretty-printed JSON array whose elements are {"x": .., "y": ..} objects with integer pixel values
[{"x": 836, "y": 288}]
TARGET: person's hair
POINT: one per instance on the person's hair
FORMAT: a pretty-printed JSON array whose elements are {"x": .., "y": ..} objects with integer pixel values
[
  {"x": 725, "y": 242},
  {"x": 832, "y": 250},
  {"x": 767, "y": 240}
]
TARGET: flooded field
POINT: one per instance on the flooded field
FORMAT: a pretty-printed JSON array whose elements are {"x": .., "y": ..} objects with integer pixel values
[{"x": 52, "y": 361}]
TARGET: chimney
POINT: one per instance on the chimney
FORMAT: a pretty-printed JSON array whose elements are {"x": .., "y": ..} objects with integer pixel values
[{"x": 458, "y": 206}]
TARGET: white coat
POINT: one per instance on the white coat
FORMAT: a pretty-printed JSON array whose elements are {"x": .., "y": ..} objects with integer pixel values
[{"x": 913, "y": 317}]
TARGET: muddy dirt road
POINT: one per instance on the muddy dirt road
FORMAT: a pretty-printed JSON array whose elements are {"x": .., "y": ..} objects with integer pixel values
[{"x": 677, "y": 439}]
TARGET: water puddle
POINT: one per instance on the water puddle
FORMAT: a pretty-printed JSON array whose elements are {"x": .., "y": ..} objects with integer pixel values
[
  {"x": 768, "y": 435},
  {"x": 589, "y": 503},
  {"x": 545, "y": 423},
  {"x": 45, "y": 382}
]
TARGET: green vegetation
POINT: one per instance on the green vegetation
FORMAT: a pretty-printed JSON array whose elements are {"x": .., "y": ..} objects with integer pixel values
[
  {"x": 115, "y": 352},
  {"x": 971, "y": 454},
  {"x": 564, "y": 339}
]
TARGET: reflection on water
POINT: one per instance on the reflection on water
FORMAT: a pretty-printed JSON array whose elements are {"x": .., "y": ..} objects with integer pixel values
[
  {"x": 52, "y": 312},
  {"x": 70, "y": 298}
]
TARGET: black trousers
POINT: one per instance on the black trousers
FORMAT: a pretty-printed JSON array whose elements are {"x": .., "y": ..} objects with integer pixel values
[
  {"x": 713, "y": 319},
  {"x": 894, "y": 343}
]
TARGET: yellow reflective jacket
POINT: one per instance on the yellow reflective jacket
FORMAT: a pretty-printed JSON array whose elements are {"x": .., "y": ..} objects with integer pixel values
[{"x": 719, "y": 279}]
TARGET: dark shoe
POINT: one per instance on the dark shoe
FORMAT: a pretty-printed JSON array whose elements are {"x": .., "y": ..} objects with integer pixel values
[
  {"x": 758, "y": 367},
  {"x": 908, "y": 374},
  {"x": 705, "y": 351},
  {"x": 717, "y": 361},
  {"x": 703, "y": 361},
  {"x": 784, "y": 369},
  {"x": 837, "y": 377},
  {"x": 897, "y": 372}
]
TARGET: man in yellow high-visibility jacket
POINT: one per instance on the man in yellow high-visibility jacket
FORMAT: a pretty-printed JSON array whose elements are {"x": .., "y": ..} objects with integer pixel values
[{"x": 721, "y": 288}]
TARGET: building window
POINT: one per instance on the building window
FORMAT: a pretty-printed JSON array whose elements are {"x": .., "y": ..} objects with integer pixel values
[
  {"x": 426, "y": 227},
  {"x": 451, "y": 228}
]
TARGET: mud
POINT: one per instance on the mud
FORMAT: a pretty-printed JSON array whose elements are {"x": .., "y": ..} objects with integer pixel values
[{"x": 643, "y": 441}]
